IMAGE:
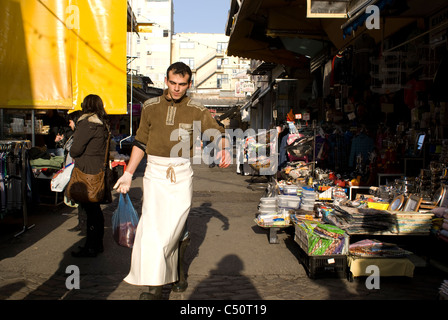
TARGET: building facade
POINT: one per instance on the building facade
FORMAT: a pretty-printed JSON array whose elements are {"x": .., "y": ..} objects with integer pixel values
[
  {"x": 149, "y": 51},
  {"x": 217, "y": 78},
  {"x": 220, "y": 82}
]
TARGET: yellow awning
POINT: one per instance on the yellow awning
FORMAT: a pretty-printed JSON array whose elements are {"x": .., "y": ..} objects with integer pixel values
[
  {"x": 98, "y": 53},
  {"x": 55, "y": 52}
]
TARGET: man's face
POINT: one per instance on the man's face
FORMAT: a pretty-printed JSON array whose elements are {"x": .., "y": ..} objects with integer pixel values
[{"x": 177, "y": 85}]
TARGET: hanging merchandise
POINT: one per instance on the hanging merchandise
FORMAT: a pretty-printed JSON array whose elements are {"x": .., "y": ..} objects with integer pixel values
[
  {"x": 386, "y": 72},
  {"x": 15, "y": 179}
]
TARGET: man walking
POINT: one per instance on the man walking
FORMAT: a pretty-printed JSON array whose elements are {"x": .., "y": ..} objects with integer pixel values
[{"x": 166, "y": 122}]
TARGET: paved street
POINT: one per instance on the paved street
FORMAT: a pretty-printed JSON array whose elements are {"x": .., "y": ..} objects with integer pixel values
[{"x": 229, "y": 258}]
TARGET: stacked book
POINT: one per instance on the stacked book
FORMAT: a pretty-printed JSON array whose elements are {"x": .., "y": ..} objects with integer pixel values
[{"x": 374, "y": 221}]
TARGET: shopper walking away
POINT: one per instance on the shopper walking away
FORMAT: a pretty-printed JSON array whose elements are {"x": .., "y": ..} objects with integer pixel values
[
  {"x": 161, "y": 236},
  {"x": 88, "y": 149}
]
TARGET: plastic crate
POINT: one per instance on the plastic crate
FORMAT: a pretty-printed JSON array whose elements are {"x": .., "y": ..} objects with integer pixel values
[
  {"x": 328, "y": 266},
  {"x": 301, "y": 237}
]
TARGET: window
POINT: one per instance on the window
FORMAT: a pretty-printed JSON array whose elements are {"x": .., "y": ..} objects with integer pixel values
[
  {"x": 186, "y": 45},
  {"x": 221, "y": 47},
  {"x": 188, "y": 61},
  {"x": 166, "y": 33},
  {"x": 222, "y": 79},
  {"x": 221, "y": 62}
]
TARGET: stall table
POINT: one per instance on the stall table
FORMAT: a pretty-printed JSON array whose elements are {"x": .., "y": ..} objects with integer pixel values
[
  {"x": 273, "y": 231},
  {"x": 388, "y": 267}
]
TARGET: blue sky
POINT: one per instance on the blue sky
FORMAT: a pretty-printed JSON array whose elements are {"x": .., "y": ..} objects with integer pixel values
[{"x": 201, "y": 16}]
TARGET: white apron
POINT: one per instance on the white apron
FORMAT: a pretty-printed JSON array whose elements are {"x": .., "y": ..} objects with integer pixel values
[{"x": 167, "y": 194}]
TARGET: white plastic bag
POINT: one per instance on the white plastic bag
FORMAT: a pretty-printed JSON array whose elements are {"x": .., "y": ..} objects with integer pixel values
[{"x": 61, "y": 178}]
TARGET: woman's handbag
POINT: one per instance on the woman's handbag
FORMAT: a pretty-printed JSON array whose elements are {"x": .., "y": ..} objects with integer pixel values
[{"x": 86, "y": 188}]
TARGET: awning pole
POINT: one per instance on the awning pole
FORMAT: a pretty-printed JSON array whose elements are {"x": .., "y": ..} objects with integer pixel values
[{"x": 132, "y": 78}]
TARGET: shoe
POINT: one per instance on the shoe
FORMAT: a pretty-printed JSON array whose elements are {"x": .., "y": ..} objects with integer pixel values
[
  {"x": 155, "y": 293},
  {"x": 211, "y": 165},
  {"x": 75, "y": 229},
  {"x": 182, "y": 284},
  {"x": 85, "y": 253},
  {"x": 179, "y": 286},
  {"x": 97, "y": 250}
]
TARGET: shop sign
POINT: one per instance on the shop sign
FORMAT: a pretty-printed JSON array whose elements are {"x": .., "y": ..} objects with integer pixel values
[
  {"x": 247, "y": 86},
  {"x": 239, "y": 93}
]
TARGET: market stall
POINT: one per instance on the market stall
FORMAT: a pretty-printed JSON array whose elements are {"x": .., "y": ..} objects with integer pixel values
[
  {"x": 40, "y": 41},
  {"x": 320, "y": 206}
]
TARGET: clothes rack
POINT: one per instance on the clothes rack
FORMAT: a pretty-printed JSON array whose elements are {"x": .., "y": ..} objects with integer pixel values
[{"x": 17, "y": 151}]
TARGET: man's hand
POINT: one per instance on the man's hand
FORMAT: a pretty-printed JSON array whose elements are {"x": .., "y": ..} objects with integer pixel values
[{"x": 123, "y": 184}]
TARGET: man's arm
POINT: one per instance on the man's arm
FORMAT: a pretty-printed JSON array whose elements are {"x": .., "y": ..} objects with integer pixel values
[{"x": 124, "y": 183}]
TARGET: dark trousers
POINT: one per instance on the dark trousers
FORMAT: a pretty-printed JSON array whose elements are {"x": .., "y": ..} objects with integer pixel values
[{"x": 95, "y": 225}]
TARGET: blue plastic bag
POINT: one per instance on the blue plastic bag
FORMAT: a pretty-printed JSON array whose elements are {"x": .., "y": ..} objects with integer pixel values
[{"x": 124, "y": 222}]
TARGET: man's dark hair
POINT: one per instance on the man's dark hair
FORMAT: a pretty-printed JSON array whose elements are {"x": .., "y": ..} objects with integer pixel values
[{"x": 179, "y": 68}]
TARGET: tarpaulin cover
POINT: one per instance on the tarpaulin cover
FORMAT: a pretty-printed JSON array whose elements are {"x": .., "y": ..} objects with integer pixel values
[{"x": 55, "y": 52}]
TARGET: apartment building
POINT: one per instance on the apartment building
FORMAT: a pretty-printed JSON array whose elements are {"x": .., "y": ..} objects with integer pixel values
[
  {"x": 149, "y": 51},
  {"x": 220, "y": 82},
  {"x": 217, "y": 77}
]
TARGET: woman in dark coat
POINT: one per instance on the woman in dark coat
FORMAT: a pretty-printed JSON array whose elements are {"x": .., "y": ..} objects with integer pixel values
[{"x": 88, "y": 151}]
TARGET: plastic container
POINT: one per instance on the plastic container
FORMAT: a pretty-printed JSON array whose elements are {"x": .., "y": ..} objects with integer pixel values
[
  {"x": 268, "y": 207},
  {"x": 292, "y": 202},
  {"x": 308, "y": 199},
  {"x": 308, "y": 192},
  {"x": 290, "y": 190},
  {"x": 307, "y": 207},
  {"x": 268, "y": 200},
  {"x": 267, "y": 211}
]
